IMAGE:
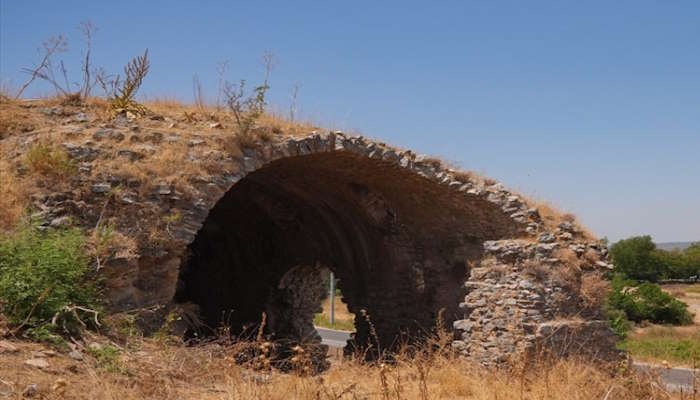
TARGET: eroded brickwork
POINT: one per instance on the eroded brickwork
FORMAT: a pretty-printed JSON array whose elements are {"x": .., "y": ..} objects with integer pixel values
[{"x": 407, "y": 236}]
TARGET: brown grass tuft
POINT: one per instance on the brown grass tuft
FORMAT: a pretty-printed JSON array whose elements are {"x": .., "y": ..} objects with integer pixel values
[
  {"x": 14, "y": 196},
  {"x": 594, "y": 289},
  {"x": 49, "y": 161},
  {"x": 159, "y": 369}
]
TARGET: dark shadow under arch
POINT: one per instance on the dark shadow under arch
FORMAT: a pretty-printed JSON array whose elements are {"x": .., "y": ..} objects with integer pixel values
[{"x": 400, "y": 244}]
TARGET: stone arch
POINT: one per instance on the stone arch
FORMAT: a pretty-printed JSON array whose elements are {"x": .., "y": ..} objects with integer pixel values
[
  {"x": 406, "y": 235},
  {"x": 399, "y": 239}
]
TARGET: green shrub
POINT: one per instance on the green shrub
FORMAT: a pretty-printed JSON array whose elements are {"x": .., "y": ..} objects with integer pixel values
[
  {"x": 43, "y": 277},
  {"x": 637, "y": 259},
  {"x": 618, "y": 322},
  {"x": 108, "y": 358},
  {"x": 681, "y": 264},
  {"x": 647, "y": 302}
]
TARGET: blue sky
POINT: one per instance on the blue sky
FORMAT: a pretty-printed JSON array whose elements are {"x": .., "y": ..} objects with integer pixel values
[{"x": 594, "y": 106}]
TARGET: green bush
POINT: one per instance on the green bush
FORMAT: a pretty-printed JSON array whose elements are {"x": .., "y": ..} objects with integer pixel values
[
  {"x": 43, "y": 276},
  {"x": 108, "y": 358},
  {"x": 618, "y": 322},
  {"x": 647, "y": 302},
  {"x": 637, "y": 258}
]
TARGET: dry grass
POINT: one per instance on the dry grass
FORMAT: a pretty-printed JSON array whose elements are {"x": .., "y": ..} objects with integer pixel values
[
  {"x": 49, "y": 161},
  {"x": 537, "y": 270},
  {"x": 15, "y": 119},
  {"x": 14, "y": 196},
  {"x": 594, "y": 289},
  {"x": 169, "y": 116},
  {"x": 552, "y": 216},
  {"x": 153, "y": 369}
]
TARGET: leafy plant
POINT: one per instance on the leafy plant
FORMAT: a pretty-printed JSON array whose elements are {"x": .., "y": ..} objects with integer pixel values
[
  {"x": 45, "y": 286},
  {"x": 618, "y": 322},
  {"x": 247, "y": 110},
  {"x": 647, "y": 302},
  {"x": 636, "y": 258},
  {"x": 108, "y": 358},
  {"x": 123, "y": 100}
]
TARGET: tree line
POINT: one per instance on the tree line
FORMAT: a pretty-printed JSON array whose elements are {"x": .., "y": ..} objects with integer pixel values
[{"x": 638, "y": 258}]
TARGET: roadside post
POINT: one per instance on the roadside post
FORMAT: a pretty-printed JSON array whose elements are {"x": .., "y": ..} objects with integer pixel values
[{"x": 332, "y": 295}]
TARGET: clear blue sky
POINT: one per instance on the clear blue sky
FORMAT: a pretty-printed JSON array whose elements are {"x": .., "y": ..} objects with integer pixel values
[{"x": 594, "y": 106}]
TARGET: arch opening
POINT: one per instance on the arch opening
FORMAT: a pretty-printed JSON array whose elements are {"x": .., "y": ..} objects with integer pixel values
[{"x": 400, "y": 244}]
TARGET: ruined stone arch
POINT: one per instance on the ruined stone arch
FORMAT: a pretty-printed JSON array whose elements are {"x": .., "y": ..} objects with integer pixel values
[{"x": 407, "y": 237}]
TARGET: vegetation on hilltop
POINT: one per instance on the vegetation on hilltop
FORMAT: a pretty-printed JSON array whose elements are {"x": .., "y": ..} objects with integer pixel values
[{"x": 638, "y": 258}]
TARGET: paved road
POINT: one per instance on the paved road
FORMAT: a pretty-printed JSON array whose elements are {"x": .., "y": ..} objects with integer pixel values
[
  {"x": 333, "y": 338},
  {"x": 675, "y": 379}
]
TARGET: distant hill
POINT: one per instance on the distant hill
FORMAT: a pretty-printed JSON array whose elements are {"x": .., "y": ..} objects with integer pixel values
[{"x": 674, "y": 245}]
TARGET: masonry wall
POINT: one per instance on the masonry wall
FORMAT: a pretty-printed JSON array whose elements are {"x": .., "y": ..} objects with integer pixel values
[{"x": 407, "y": 236}]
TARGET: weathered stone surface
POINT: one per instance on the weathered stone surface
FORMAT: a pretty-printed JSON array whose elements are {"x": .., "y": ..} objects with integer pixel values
[
  {"x": 101, "y": 187},
  {"x": 37, "y": 362},
  {"x": 108, "y": 134},
  {"x": 407, "y": 237}
]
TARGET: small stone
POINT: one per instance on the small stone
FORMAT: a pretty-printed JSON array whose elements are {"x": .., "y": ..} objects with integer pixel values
[
  {"x": 127, "y": 200},
  {"x": 525, "y": 284},
  {"x": 81, "y": 117},
  {"x": 172, "y": 138},
  {"x": 108, "y": 134},
  {"x": 7, "y": 347},
  {"x": 546, "y": 237},
  {"x": 463, "y": 325},
  {"x": 59, "y": 386},
  {"x": 195, "y": 142},
  {"x": 80, "y": 153},
  {"x": 101, "y": 188},
  {"x": 60, "y": 222},
  {"x": 95, "y": 346},
  {"x": 131, "y": 155},
  {"x": 31, "y": 390},
  {"x": 157, "y": 118},
  {"x": 215, "y": 125},
  {"x": 566, "y": 236},
  {"x": 163, "y": 190},
  {"x": 37, "y": 362},
  {"x": 566, "y": 226},
  {"x": 76, "y": 355}
]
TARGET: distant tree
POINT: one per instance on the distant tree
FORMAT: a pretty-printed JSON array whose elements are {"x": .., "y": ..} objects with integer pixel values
[
  {"x": 638, "y": 258},
  {"x": 691, "y": 257},
  {"x": 692, "y": 252}
]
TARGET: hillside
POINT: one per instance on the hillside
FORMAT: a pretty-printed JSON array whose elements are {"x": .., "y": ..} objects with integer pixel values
[{"x": 185, "y": 217}]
